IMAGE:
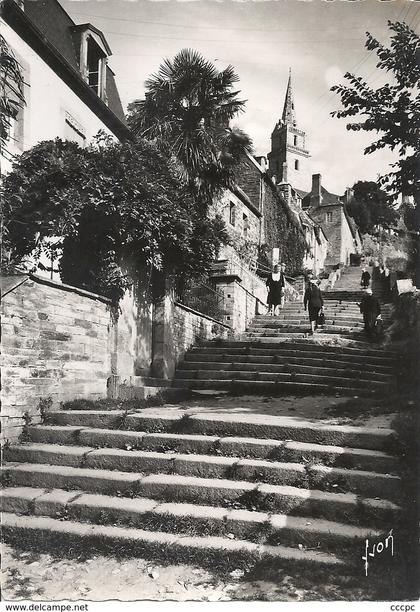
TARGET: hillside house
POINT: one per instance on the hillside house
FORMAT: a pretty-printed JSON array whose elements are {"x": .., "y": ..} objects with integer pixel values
[{"x": 328, "y": 210}]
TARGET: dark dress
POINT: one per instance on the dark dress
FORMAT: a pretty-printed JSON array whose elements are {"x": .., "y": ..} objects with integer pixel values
[
  {"x": 275, "y": 290},
  {"x": 365, "y": 279},
  {"x": 313, "y": 299},
  {"x": 370, "y": 308}
]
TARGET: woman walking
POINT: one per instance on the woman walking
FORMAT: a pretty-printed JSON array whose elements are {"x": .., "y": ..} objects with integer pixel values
[
  {"x": 313, "y": 300},
  {"x": 365, "y": 280},
  {"x": 275, "y": 284}
]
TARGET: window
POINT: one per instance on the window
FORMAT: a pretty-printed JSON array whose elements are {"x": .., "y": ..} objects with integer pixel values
[
  {"x": 95, "y": 66},
  {"x": 329, "y": 217},
  {"x": 232, "y": 213},
  {"x": 296, "y": 164},
  {"x": 295, "y": 141},
  {"x": 245, "y": 221},
  {"x": 94, "y": 52}
]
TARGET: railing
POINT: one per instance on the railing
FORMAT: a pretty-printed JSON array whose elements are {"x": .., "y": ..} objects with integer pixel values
[{"x": 203, "y": 298}]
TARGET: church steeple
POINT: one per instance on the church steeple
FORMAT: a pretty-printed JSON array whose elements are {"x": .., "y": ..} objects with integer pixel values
[
  {"x": 288, "y": 158},
  {"x": 289, "y": 115}
]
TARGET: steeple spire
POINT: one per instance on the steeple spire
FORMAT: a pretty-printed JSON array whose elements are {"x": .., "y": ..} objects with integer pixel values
[{"x": 289, "y": 115}]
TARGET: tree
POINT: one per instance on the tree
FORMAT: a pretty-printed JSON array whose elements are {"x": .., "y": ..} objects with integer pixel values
[
  {"x": 113, "y": 205},
  {"x": 370, "y": 207},
  {"x": 187, "y": 108},
  {"x": 393, "y": 110},
  {"x": 11, "y": 90}
]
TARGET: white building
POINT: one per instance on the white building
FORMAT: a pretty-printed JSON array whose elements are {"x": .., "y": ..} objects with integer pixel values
[{"x": 70, "y": 90}]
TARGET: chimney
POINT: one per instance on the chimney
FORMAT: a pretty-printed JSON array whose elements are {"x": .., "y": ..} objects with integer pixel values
[
  {"x": 316, "y": 197},
  {"x": 349, "y": 194}
]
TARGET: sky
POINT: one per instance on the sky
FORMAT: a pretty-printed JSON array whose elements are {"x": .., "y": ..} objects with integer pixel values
[{"x": 319, "y": 40}]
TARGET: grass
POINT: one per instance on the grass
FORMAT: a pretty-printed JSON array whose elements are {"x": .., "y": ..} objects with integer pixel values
[
  {"x": 183, "y": 425},
  {"x": 114, "y": 404}
]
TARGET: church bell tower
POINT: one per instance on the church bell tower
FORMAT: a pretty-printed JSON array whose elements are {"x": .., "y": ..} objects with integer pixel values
[{"x": 288, "y": 160}]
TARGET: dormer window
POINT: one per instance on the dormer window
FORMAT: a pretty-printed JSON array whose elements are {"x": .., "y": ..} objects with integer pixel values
[
  {"x": 95, "y": 66},
  {"x": 94, "y": 52}
]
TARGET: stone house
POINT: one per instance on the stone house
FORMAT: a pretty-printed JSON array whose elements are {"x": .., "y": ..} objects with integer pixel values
[
  {"x": 328, "y": 210},
  {"x": 258, "y": 220}
]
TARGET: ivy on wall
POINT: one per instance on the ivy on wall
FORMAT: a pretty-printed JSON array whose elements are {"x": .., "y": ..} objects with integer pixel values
[{"x": 283, "y": 231}]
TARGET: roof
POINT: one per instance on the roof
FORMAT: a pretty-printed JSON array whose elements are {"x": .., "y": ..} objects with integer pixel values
[
  {"x": 240, "y": 193},
  {"x": 51, "y": 32},
  {"x": 289, "y": 115},
  {"x": 328, "y": 199},
  {"x": 352, "y": 224},
  {"x": 300, "y": 193}
]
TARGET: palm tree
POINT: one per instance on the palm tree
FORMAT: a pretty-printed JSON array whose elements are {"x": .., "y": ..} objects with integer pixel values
[
  {"x": 188, "y": 106},
  {"x": 11, "y": 90}
]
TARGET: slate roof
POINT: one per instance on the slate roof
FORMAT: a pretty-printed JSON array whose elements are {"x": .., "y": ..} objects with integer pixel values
[
  {"x": 300, "y": 193},
  {"x": 46, "y": 26}
]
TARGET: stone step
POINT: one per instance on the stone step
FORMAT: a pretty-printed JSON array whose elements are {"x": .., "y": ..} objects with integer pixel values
[
  {"x": 304, "y": 328},
  {"x": 299, "y": 310},
  {"x": 308, "y": 346},
  {"x": 228, "y": 424},
  {"x": 253, "y": 387},
  {"x": 302, "y": 316},
  {"x": 282, "y": 321},
  {"x": 289, "y": 500},
  {"x": 303, "y": 323},
  {"x": 357, "y": 339},
  {"x": 281, "y": 358},
  {"x": 209, "y": 466},
  {"x": 278, "y": 368},
  {"x": 261, "y": 375},
  {"x": 274, "y": 450},
  {"x": 187, "y": 519},
  {"x": 207, "y": 550}
]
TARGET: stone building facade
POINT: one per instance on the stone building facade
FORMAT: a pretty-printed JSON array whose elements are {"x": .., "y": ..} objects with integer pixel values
[{"x": 329, "y": 211}]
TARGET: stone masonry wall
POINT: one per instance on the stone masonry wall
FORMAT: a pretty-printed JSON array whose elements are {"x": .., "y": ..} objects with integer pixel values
[
  {"x": 55, "y": 343},
  {"x": 63, "y": 343},
  {"x": 189, "y": 327},
  {"x": 332, "y": 230}
]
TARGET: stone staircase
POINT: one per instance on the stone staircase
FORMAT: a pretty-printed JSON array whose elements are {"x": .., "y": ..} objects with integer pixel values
[
  {"x": 222, "y": 490},
  {"x": 277, "y": 355}
]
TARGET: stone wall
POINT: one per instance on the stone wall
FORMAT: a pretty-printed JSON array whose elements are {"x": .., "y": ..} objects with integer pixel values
[
  {"x": 55, "y": 343},
  {"x": 133, "y": 336},
  {"x": 243, "y": 226},
  {"x": 191, "y": 327},
  {"x": 279, "y": 228},
  {"x": 330, "y": 218},
  {"x": 64, "y": 343}
]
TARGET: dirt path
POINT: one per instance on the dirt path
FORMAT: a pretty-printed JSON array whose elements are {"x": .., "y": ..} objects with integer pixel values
[{"x": 41, "y": 577}]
